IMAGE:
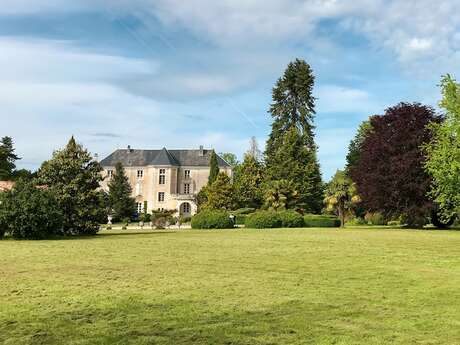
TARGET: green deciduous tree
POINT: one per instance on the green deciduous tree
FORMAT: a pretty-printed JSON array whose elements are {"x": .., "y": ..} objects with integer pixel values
[
  {"x": 341, "y": 195},
  {"x": 220, "y": 194},
  {"x": 7, "y": 158},
  {"x": 443, "y": 162},
  {"x": 213, "y": 168},
  {"x": 30, "y": 212},
  {"x": 74, "y": 176},
  {"x": 230, "y": 158},
  {"x": 291, "y": 151},
  {"x": 248, "y": 180},
  {"x": 355, "y": 147},
  {"x": 120, "y": 200}
]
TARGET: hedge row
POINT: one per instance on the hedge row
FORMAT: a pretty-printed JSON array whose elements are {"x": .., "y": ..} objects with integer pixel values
[
  {"x": 216, "y": 219},
  {"x": 289, "y": 219},
  {"x": 209, "y": 219}
]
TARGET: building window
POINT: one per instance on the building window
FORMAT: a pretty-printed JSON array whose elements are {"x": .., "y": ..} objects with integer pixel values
[
  {"x": 109, "y": 174},
  {"x": 140, "y": 173},
  {"x": 139, "y": 207},
  {"x": 186, "y": 188},
  {"x": 185, "y": 208},
  {"x": 162, "y": 176},
  {"x": 161, "y": 196},
  {"x": 187, "y": 173}
]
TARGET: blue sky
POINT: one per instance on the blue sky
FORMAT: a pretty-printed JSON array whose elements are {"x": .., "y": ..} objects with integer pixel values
[{"x": 154, "y": 73}]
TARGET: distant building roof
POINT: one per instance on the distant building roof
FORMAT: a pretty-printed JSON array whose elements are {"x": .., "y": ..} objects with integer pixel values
[
  {"x": 6, "y": 186},
  {"x": 164, "y": 157}
]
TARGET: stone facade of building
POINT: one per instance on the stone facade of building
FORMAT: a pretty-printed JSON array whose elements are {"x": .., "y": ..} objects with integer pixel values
[{"x": 164, "y": 179}]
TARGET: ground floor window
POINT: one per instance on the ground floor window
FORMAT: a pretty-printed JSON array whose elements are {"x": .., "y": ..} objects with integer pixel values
[
  {"x": 161, "y": 196},
  {"x": 139, "y": 207},
  {"x": 185, "y": 208}
]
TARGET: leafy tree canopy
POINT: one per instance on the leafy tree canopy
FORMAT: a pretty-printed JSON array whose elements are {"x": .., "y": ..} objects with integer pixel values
[
  {"x": 443, "y": 163},
  {"x": 220, "y": 194},
  {"x": 74, "y": 176},
  {"x": 389, "y": 174},
  {"x": 341, "y": 195},
  {"x": 354, "y": 149}
]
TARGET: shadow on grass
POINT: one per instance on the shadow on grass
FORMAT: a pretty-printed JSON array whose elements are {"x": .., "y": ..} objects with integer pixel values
[{"x": 107, "y": 234}]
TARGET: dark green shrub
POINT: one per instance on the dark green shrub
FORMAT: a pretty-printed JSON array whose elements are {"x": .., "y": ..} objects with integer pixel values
[
  {"x": 28, "y": 212},
  {"x": 263, "y": 220},
  {"x": 125, "y": 222},
  {"x": 212, "y": 219},
  {"x": 291, "y": 219},
  {"x": 321, "y": 221}
]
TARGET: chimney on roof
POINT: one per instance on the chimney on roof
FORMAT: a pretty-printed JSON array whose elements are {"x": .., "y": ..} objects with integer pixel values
[{"x": 201, "y": 151}]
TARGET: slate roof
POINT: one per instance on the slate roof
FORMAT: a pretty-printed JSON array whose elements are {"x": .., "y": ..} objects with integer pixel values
[{"x": 164, "y": 157}]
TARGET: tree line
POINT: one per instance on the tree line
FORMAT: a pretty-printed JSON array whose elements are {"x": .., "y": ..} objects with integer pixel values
[{"x": 402, "y": 165}]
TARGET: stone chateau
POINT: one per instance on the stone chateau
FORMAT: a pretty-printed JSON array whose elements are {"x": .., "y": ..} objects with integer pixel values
[{"x": 165, "y": 179}]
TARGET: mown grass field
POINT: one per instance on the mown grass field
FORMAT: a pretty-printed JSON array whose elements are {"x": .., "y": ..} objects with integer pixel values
[{"x": 310, "y": 286}]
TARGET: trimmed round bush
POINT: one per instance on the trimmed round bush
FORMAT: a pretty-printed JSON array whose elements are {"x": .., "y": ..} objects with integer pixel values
[
  {"x": 28, "y": 212},
  {"x": 212, "y": 219},
  {"x": 321, "y": 221},
  {"x": 291, "y": 219},
  {"x": 263, "y": 220}
]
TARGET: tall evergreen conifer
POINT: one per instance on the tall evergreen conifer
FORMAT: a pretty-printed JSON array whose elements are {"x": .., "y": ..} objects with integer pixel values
[
  {"x": 7, "y": 158},
  {"x": 291, "y": 150},
  {"x": 213, "y": 168},
  {"x": 120, "y": 200}
]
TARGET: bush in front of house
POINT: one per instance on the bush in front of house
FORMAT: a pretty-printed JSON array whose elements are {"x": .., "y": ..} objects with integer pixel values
[
  {"x": 263, "y": 220},
  {"x": 291, "y": 219},
  {"x": 321, "y": 221},
  {"x": 212, "y": 219},
  {"x": 29, "y": 212}
]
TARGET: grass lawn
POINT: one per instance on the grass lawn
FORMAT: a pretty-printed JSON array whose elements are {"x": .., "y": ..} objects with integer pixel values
[{"x": 311, "y": 286}]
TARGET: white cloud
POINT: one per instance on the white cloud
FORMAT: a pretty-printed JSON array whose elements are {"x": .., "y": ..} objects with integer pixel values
[{"x": 339, "y": 99}]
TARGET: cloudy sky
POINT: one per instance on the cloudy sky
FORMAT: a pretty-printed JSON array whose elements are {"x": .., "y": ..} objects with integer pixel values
[{"x": 175, "y": 73}]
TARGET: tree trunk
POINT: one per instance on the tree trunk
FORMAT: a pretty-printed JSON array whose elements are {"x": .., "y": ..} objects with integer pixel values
[{"x": 342, "y": 216}]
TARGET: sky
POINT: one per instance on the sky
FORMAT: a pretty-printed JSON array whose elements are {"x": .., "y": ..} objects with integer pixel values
[{"x": 180, "y": 74}]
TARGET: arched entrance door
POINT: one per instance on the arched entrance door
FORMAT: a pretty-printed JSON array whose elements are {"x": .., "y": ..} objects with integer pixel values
[{"x": 185, "y": 209}]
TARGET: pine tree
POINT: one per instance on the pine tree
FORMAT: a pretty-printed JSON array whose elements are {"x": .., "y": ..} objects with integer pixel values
[
  {"x": 74, "y": 176},
  {"x": 291, "y": 151},
  {"x": 213, "y": 168},
  {"x": 7, "y": 158},
  {"x": 120, "y": 200}
]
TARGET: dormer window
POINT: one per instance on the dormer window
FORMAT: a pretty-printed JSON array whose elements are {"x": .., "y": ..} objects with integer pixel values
[
  {"x": 187, "y": 174},
  {"x": 162, "y": 179},
  {"x": 140, "y": 173}
]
